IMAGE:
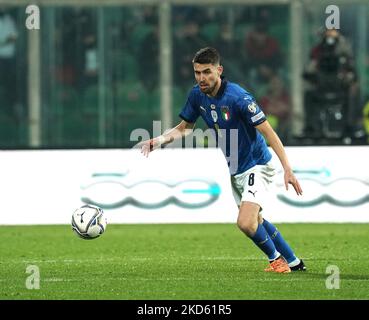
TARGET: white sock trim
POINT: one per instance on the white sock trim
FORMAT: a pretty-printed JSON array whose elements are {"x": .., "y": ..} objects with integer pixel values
[
  {"x": 294, "y": 262},
  {"x": 276, "y": 255}
]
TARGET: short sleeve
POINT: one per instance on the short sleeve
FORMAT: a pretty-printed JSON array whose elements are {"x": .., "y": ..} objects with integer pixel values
[
  {"x": 251, "y": 111},
  {"x": 190, "y": 112}
]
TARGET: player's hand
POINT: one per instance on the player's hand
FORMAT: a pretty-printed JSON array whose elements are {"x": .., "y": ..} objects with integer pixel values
[
  {"x": 148, "y": 145},
  {"x": 289, "y": 178}
]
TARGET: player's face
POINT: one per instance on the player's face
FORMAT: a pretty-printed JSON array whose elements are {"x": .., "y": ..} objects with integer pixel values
[{"x": 208, "y": 77}]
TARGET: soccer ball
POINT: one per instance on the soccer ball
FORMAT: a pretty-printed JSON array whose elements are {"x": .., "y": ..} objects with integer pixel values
[{"x": 89, "y": 222}]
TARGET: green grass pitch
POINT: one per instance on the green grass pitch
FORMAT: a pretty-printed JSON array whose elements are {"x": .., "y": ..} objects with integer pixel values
[{"x": 185, "y": 261}]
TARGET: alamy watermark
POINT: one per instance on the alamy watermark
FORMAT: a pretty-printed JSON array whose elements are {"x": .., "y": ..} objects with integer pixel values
[
  {"x": 33, "y": 18},
  {"x": 33, "y": 280},
  {"x": 226, "y": 140},
  {"x": 333, "y": 20},
  {"x": 333, "y": 280}
]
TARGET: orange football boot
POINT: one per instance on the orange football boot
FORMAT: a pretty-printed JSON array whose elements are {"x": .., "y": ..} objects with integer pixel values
[{"x": 278, "y": 265}]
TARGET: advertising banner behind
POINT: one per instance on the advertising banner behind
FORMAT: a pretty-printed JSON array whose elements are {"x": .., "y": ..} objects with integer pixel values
[{"x": 176, "y": 186}]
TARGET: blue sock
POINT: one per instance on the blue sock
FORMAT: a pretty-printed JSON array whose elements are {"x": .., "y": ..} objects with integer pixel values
[
  {"x": 263, "y": 241},
  {"x": 279, "y": 242}
]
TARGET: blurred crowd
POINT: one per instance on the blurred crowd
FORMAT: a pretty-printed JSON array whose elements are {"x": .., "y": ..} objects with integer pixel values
[
  {"x": 8, "y": 38},
  {"x": 332, "y": 89},
  {"x": 253, "y": 42}
]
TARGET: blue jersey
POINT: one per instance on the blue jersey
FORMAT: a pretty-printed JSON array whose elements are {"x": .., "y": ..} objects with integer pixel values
[{"x": 233, "y": 112}]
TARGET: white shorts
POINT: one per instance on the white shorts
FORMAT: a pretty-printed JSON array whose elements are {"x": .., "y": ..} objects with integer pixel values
[{"x": 253, "y": 185}]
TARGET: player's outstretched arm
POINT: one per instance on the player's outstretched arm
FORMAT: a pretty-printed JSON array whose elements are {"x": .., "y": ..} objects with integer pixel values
[
  {"x": 276, "y": 144},
  {"x": 182, "y": 129}
]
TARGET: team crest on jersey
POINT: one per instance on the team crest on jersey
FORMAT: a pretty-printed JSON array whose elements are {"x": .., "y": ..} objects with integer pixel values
[
  {"x": 226, "y": 115},
  {"x": 252, "y": 107},
  {"x": 214, "y": 115}
]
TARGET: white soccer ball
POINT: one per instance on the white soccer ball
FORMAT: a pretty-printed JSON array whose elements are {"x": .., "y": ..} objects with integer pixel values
[{"x": 89, "y": 222}]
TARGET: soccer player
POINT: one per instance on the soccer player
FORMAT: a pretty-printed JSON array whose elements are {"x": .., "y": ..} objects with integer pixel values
[{"x": 226, "y": 107}]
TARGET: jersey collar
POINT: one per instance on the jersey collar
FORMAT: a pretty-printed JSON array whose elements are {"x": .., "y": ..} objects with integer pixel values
[{"x": 222, "y": 87}]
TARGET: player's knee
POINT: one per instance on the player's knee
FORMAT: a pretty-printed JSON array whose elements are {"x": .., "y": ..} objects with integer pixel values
[{"x": 247, "y": 226}]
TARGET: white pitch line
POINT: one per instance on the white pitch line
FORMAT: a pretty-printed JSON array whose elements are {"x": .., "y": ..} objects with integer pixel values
[
  {"x": 136, "y": 259},
  {"x": 189, "y": 279},
  {"x": 57, "y": 280},
  {"x": 145, "y": 259}
]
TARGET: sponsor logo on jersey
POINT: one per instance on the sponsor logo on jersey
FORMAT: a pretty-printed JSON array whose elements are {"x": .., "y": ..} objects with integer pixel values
[
  {"x": 214, "y": 115},
  {"x": 226, "y": 115},
  {"x": 252, "y": 107}
]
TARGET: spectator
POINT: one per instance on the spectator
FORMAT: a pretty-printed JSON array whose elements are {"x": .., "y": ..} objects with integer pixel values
[
  {"x": 276, "y": 102},
  {"x": 8, "y": 37},
  {"x": 187, "y": 41},
  {"x": 149, "y": 55},
  {"x": 226, "y": 40},
  {"x": 78, "y": 41},
  {"x": 88, "y": 34},
  {"x": 149, "y": 60},
  {"x": 261, "y": 48},
  {"x": 331, "y": 91}
]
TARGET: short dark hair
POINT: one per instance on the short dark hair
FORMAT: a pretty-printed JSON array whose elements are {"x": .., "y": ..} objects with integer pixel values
[{"x": 207, "y": 55}]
